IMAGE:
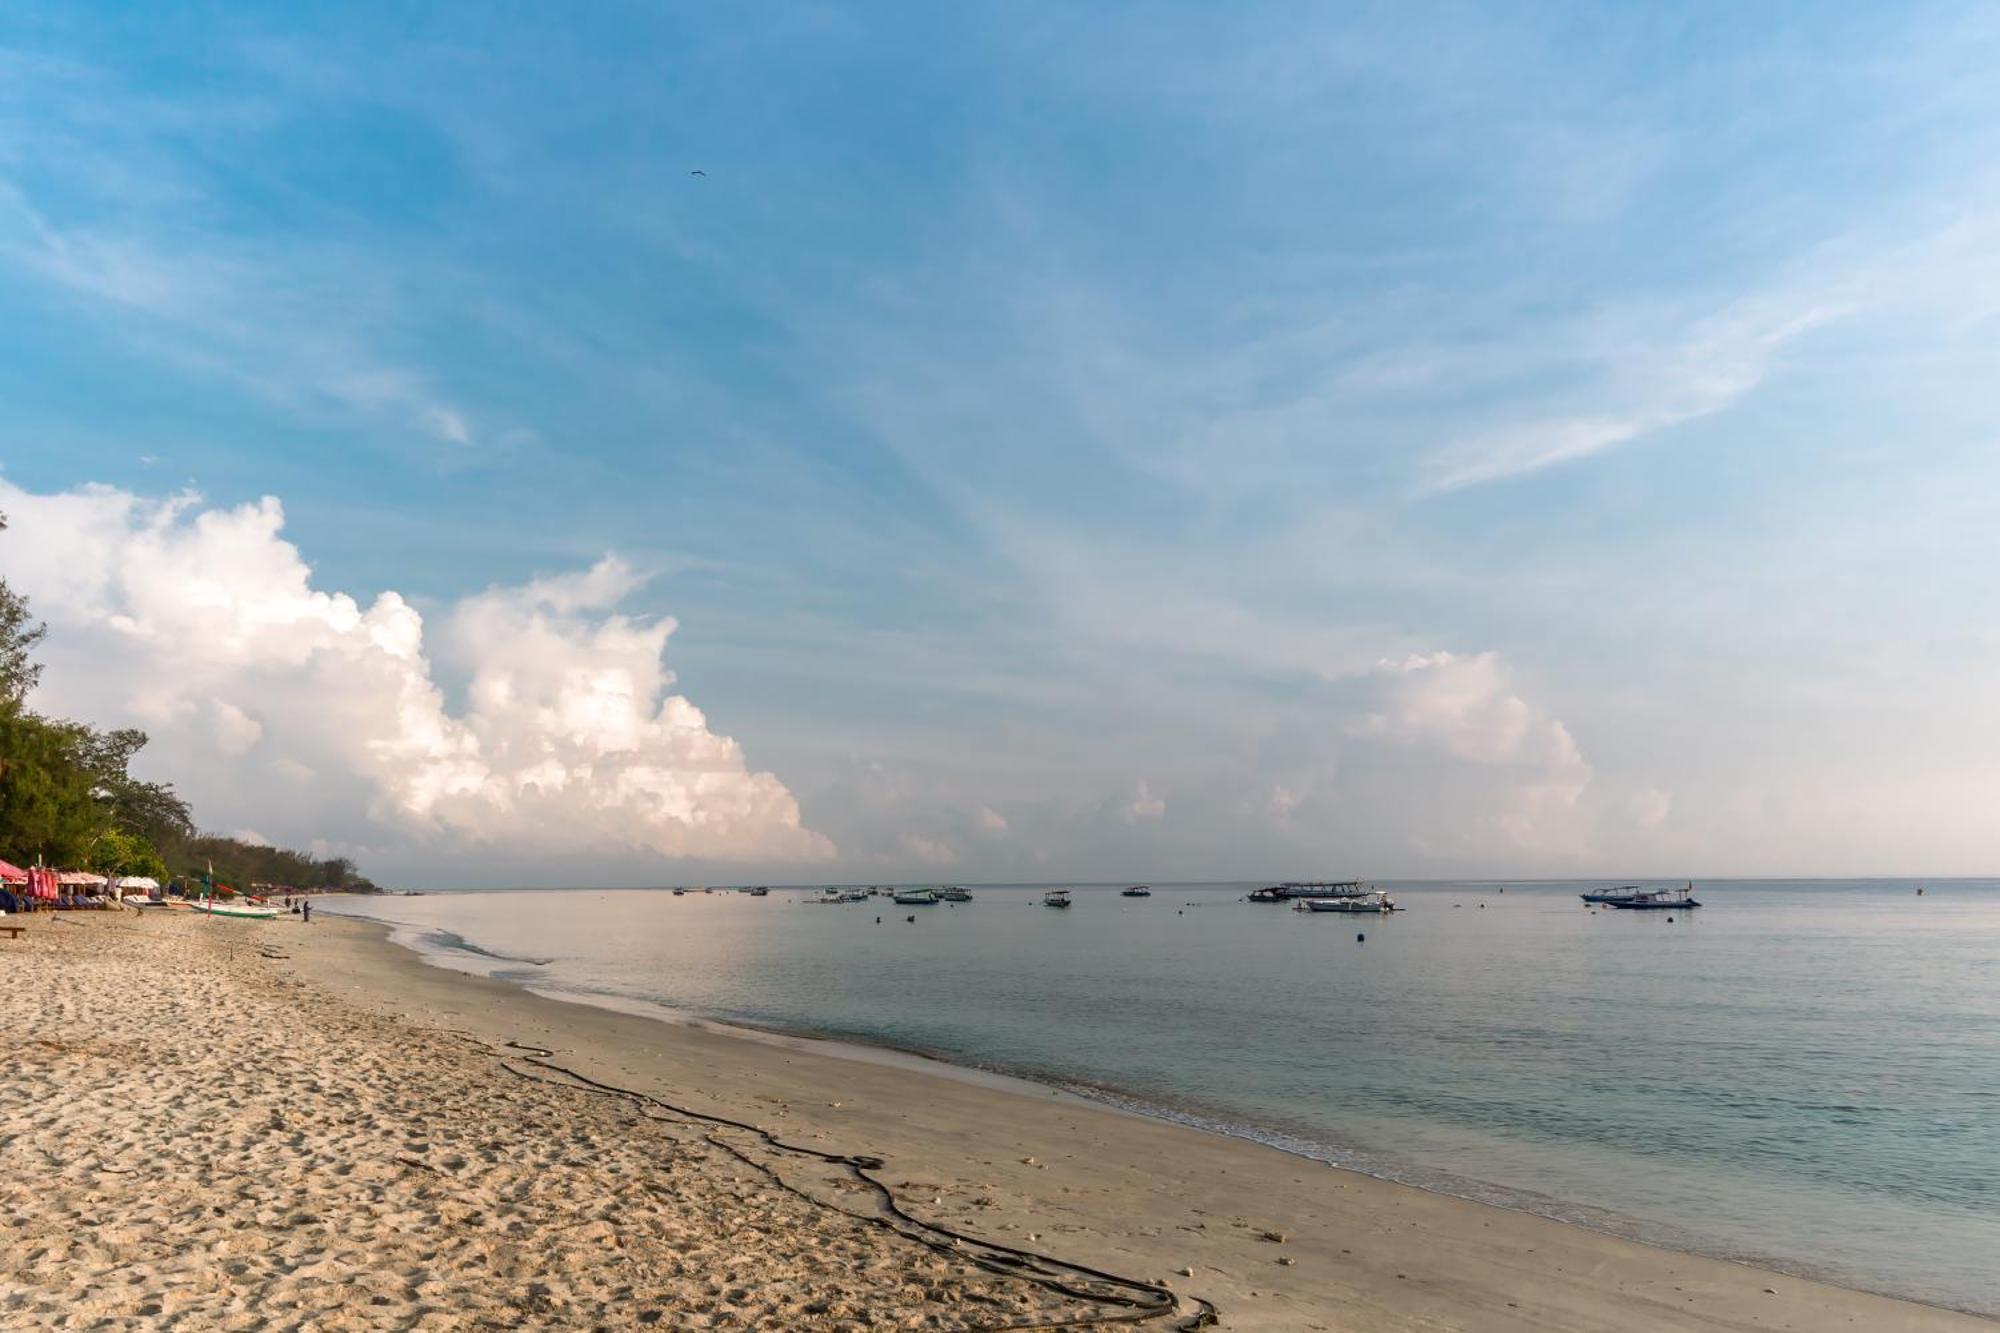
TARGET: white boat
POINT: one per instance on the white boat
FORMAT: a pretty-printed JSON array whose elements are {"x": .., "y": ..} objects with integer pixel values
[
  {"x": 1374, "y": 901},
  {"x": 1056, "y": 898},
  {"x": 1136, "y": 891},
  {"x": 914, "y": 898},
  {"x": 245, "y": 911}
]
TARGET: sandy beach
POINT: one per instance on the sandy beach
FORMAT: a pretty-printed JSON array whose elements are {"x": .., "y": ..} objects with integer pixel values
[{"x": 226, "y": 1124}]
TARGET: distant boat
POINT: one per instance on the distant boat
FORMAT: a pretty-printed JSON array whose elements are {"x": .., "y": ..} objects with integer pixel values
[
  {"x": 758, "y": 892},
  {"x": 1610, "y": 895},
  {"x": 1372, "y": 901},
  {"x": 1656, "y": 900},
  {"x": 951, "y": 893},
  {"x": 1310, "y": 888},
  {"x": 914, "y": 898},
  {"x": 1056, "y": 898},
  {"x": 838, "y": 895},
  {"x": 680, "y": 893},
  {"x": 1136, "y": 891}
]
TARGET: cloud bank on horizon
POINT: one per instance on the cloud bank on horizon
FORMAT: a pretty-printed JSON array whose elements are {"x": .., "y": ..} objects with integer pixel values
[{"x": 1057, "y": 441}]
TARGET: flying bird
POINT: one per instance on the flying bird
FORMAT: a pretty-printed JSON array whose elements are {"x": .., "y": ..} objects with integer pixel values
[{"x": 697, "y": 173}]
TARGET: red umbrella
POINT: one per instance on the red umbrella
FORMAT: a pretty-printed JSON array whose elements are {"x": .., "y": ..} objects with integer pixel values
[{"x": 12, "y": 874}]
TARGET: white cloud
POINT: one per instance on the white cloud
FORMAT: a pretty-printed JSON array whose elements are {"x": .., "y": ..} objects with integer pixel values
[
  {"x": 1143, "y": 805},
  {"x": 990, "y": 820},
  {"x": 204, "y": 626},
  {"x": 1464, "y": 706},
  {"x": 929, "y": 851},
  {"x": 236, "y": 732}
]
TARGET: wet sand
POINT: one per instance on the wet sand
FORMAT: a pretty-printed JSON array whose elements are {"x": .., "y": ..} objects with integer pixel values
[{"x": 231, "y": 1124}]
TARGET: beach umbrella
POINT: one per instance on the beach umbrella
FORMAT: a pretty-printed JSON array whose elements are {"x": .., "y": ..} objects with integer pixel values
[{"x": 12, "y": 874}]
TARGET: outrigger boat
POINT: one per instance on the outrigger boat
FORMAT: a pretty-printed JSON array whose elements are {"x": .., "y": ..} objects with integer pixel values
[
  {"x": 914, "y": 898},
  {"x": 951, "y": 893},
  {"x": 1610, "y": 895},
  {"x": 1656, "y": 900},
  {"x": 1056, "y": 898},
  {"x": 1373, "y": 901},
  {"x": 246, "y": 911},
  {"x": 1136, "y": 891},
  {"x": 1310, "y": 888}
]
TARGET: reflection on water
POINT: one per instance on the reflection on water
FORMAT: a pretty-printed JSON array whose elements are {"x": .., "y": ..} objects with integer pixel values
[{"x": 1806, "y": 1073}]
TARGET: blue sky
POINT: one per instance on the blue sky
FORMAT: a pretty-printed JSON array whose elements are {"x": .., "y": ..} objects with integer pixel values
[{"x": 1089, "y": 440}]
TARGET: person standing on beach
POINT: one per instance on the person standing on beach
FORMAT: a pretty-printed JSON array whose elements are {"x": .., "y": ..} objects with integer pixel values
[{"x": 307, "y": 909}]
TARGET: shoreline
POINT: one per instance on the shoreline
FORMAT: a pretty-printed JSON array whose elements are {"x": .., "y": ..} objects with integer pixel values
[
  {"x": 415, "y": 942},
  {"x": 1661, "y": 1287}
]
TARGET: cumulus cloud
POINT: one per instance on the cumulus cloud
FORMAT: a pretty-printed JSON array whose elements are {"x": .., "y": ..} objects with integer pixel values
[
  {"x": 1144, "y": 805},
  {"x": 928, "y": 851},
  {"x": 1464, "y": 706},
  {"x": 990, "y": 820},
  {"x": 205, "y": 626}
]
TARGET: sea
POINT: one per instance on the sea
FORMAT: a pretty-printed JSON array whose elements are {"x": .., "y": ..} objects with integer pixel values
[{"x": 1800, "y": 1074}]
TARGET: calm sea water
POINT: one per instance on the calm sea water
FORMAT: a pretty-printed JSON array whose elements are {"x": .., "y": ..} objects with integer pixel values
[{"x": 1804, "y": 1074}]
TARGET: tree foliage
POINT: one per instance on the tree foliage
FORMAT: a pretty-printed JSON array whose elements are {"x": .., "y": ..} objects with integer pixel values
[{"x": 19, "y": 633}]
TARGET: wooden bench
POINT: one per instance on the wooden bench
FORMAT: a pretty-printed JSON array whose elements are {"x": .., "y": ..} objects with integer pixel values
[{"x": 13, "y": 932}]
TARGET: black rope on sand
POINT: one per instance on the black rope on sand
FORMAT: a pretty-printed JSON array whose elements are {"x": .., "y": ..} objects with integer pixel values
[{"x": 1146, "y": 1300}]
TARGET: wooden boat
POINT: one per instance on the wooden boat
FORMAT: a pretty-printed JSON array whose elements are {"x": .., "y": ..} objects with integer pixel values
[
  {"x": 1056, "y": 898},
  {"x": 1656, "y": 901},
  {"x": 243, "y": 911},
  {"x": 1136, "y": 891},
  {"x": 1610, "y": 895},
  {"x": 914, "y": 898},
  {"x": 951, "y": 893},
  {"x": 1372, "y": 902},
  {"x": 1310, "y": 888}
]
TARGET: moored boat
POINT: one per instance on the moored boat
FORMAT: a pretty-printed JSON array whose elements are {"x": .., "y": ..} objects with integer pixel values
[
  {"x": 1056, "y": 898},
  {"x": 1136, "y": 891},
  {"x": 1610, "y": 895},
  {"x": 914, "y": 897},
  {"x": 1373, "y": 901},
  {"x": 1310, "y": 888},
  {"x": 951, "y": 893},
  {"x": 1656, "y": 900}
]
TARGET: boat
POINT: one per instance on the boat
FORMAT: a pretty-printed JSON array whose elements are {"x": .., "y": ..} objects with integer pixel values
[
  {"x": 1310, "y": 888},
  {"x": 759, "y": 891},
  {"x": 1056, "y": 898},
  {"x": 680, "y": 893},
  {"x": 1136, "y": 891},
  {"x": 834, "y": 895},
  {"x": 914, "y": 898},
  {"x": 1656, "y": 900},
  {"x": 1373, "y": 901},
  {"x": 951, "y": 893},
  {"x": 1610, "y": 895},
  {"x": 246, "y": 911}
]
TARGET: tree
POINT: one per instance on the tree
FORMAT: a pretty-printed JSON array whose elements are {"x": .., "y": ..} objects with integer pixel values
[
  {"x": 150, "y": 810},
  {"x": 120, "y": 853},
  {"x": 48, "y": 799},
  {"x": 19, "y": 633}
]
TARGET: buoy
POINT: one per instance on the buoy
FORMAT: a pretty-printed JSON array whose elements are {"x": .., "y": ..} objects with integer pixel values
[
  {"x": 1360, "y": 937},
  {"x": 1670, "y": 921}
]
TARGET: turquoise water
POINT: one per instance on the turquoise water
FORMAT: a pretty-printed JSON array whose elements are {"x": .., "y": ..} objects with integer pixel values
[{"x": 1803, "y": 1074}]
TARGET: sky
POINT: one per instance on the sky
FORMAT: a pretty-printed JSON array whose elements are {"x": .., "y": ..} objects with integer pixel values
[{"x": 1019, "y": 441}]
